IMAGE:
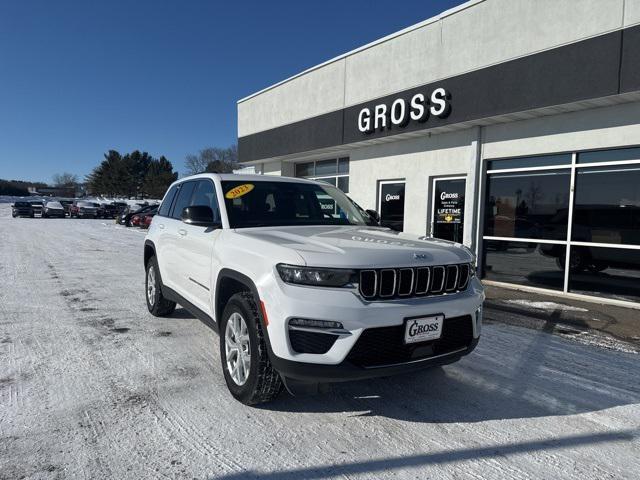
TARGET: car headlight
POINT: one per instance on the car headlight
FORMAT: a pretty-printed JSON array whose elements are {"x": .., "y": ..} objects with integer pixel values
[{"x": 321, "y": 277}]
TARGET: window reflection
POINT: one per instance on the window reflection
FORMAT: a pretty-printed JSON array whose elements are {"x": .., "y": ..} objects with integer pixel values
[
  {"x": 533, "y": 264},
  {"x": 607, "y": 205},
  {"x": 528, "y": 205},
  {"x": 606, "y": 272}
]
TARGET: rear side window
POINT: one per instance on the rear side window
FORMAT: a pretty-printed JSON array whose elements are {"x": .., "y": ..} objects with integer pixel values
[
  {"x": 205, "y": 195},
  {"x": 165, "y": 208},
  {"x": 184, "y": 197}
]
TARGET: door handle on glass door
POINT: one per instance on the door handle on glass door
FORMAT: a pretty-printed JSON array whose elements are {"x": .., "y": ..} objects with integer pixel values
[{"x": 182, "y": 232}]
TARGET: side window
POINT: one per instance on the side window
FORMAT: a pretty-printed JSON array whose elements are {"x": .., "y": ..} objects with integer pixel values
[
  {"x": 205, "y": 195},
  {"x": 184, "y": 197},
  {"x": 165, "y": 208}
]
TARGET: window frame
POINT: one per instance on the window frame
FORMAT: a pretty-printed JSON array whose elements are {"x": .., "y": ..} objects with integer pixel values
[{"x": 324, "y": 177}]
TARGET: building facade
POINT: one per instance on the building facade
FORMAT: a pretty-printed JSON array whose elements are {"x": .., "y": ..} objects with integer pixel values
[{"x": 508, "y": 125}]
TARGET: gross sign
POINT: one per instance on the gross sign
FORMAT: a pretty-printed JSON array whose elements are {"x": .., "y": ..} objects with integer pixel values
[{"x": 418, "y": 109}]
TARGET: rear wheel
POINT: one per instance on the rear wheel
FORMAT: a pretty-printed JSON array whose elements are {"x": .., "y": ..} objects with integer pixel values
[
  {"x": 157, "y": 304},
  {"x": 248, "y": 372}
]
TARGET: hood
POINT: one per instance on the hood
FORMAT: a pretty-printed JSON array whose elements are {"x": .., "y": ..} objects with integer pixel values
[{"x": 360, "y": 247}]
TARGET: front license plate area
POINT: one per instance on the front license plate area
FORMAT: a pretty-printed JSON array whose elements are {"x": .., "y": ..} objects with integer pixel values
[{"x": 423, "y": 329}]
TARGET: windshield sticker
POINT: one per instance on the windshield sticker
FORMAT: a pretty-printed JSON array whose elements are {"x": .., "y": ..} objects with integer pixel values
[{"x": 239, "y": 191}]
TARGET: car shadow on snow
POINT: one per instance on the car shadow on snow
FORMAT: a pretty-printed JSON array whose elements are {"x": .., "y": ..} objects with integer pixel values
[
  {"x": 440, "y": 458},
  {"x": 513, "y": 373}
]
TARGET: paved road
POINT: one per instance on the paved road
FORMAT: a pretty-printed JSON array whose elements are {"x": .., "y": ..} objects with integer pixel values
[{"x": 92, "y": 386}]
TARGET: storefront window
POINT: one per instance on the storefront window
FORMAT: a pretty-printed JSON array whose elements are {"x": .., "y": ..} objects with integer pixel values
[
  {"x": 607, "y": 205},
  {"x": 605, "y": 272},
  {"x": 334, "y": 171},
  {"x": 617, "y": 155},
  {"x": 602, "y": 257},
  {"x": 528, "y": 204},
  {"x": 533, "y": 264},
  {"x": 530, "y": 162}
]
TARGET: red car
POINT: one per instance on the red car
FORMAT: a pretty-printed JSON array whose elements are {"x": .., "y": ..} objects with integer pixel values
[
  {"x": 145, "y": 222},
  {"x": 135, "y": 220}
]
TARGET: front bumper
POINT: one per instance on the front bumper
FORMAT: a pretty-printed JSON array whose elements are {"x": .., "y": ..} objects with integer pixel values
[
  {"x": 284, "y": 301},
  {"x": 346, "y": 371}
]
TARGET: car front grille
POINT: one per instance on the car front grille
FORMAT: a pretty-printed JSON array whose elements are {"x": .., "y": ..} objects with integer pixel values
[
  {"x": 382, "y": 346},
  {"x": 387, "y": 283}
]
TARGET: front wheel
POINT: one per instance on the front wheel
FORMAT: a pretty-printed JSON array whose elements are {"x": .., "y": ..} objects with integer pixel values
[
  {"x": 248, "y": 372},
  {"x": 157, "y": 304}
]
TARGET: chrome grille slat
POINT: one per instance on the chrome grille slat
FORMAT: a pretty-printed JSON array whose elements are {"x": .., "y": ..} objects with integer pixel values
[
  {"x": 450, "y": 285},
  {"x": 421, "y": 273},
  {"x": 442, "y": 273},
  {"x": 405, "y": 288},
  {"x": 407, "y": 282},
  {"x": 383, "y": 291}
]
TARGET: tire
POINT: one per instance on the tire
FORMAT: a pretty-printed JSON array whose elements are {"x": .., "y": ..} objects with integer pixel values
[
  {"x": 576, "y": 262},
  {"x": 157, "y": 305},
  {"x": 262, "y": 383},
  {"x": 13, "y": 215}
]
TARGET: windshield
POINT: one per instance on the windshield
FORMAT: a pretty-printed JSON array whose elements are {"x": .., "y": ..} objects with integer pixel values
[
  {"x": 54, "y": 205},
  {"x": 22, "y": 204},
  {"x": 265, "y": 203}
]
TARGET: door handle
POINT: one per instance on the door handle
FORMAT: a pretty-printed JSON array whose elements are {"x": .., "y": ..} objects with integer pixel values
[
  {"x": 182, "y": 232},
  {"x": 161, "y": 225}
]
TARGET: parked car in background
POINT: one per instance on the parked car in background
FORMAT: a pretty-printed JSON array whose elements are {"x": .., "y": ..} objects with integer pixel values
[
  {"x": 125, "y": 217},
  {"x": 37, "y": 206},
  {"x": 53, "y": 209},
  {"x": 22, "y": 209},
  {"x": 135, "y": 220},
  {"x": 147, "y": 217},
  {"x": 66, "y": 204},
  {"x": 81, "y": 208}
]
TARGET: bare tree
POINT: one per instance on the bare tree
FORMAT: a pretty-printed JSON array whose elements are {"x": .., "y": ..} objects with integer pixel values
[
  {"x": 212, "y": 160},
  {"x": 65, "y": 179}
]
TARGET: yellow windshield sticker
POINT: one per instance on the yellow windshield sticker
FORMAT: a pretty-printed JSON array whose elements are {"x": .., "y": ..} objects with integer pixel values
[{"x": 239, "y": 191}]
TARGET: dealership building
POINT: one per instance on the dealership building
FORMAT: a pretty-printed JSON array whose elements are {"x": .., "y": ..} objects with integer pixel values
[{"x": 511, "y": 126}]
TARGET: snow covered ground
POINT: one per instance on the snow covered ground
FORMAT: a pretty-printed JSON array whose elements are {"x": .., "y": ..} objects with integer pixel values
[{"x": 92, "y": 386}]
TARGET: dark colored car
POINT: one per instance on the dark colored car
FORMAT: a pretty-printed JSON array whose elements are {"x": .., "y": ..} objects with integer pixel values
[
  {"x": 125, "y": 217},
  {"x": 81, "y": 208},
  {"x": 112, "y": 209},
  {"x": 66, "y": 204},
  {"x": 53, "y": 209},
  {"x": 22, "y": 209}
]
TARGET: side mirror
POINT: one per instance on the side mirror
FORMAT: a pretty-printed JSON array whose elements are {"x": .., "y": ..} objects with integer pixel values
[
  {"x": 374, "y": 215},
  {"x": 199, "y": 215}
]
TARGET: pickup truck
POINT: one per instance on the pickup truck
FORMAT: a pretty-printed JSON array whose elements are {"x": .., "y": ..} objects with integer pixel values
[{"x": 304, "y": 287}]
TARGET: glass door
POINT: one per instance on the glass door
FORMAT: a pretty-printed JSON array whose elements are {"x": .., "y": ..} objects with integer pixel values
[
  {"x": 391, "y": 204},
  {"x": 447, "y": 215}
]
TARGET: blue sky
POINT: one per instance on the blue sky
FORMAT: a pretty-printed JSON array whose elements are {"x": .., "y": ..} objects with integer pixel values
[{"x": 78, "y": 78}]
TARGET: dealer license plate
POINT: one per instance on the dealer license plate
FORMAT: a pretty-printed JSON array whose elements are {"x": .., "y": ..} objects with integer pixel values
[{"x": 423, "y": 329}]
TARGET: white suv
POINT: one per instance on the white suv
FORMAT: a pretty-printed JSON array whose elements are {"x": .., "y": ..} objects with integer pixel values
[{"x": 304, "y": 287}]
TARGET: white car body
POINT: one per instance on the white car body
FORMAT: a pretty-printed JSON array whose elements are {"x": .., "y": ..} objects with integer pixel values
[{"x": 194, "y": 260}]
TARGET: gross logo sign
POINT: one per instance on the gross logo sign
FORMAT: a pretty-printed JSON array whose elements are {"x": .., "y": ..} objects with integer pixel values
[
  {"x": 416, "y": 329},
  {"x": 390, "y": 197},
  {"x": 400, "y": 113}
]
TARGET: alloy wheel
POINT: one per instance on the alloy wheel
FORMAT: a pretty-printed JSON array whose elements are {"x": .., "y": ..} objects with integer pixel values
[{"x": 237, "y": 349}]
